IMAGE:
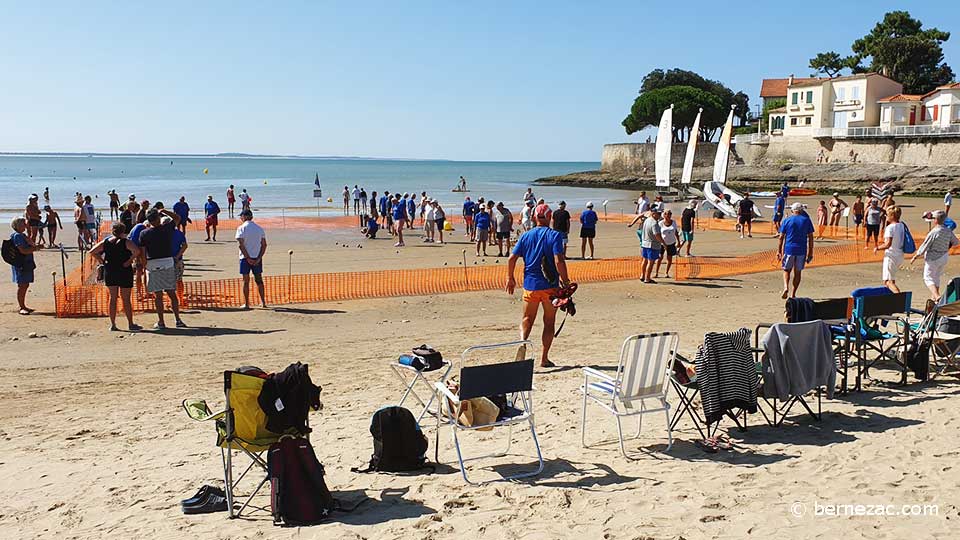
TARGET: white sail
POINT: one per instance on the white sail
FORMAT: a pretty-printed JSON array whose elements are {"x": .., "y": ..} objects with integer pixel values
[
  {"x": 664, "y": 144},
  {"x": 723, "y": 150},
  {"x": 691, "y": 150}
]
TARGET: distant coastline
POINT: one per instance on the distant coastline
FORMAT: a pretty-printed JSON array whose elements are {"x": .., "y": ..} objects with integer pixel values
[{"x": 218, "y": 155}]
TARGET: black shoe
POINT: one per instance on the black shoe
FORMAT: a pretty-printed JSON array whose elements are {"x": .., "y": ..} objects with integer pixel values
[
  {"x": 201, "y": 493},
  {"x": 208, "y": 503}
]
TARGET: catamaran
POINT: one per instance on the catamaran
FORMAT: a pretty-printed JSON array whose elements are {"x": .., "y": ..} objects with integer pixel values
[{"x": 716, "y": 193}]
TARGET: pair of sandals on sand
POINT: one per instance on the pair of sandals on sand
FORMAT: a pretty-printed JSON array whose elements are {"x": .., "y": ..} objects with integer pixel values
[{"x": 712, "y": 445}]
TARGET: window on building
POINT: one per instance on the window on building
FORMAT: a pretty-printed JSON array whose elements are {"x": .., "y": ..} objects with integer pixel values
[
  {"x": 899, "y": 114},
  {"x": 809, "y": 96},
  {"x": 885, "y": 114},
  {"x": 855, "y": 91},
  {"x": 840, "y": 93},
  {"x": 808, "y": 120},
  {"x": 794, "y": 97},
  {"x": 793, "y": 121}
]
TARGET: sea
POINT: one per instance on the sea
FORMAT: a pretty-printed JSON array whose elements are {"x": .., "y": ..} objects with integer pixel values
[{"x": 279, "y": 185}]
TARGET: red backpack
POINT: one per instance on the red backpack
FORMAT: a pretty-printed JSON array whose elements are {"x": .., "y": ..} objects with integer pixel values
[{"x": 298, "y": 493}]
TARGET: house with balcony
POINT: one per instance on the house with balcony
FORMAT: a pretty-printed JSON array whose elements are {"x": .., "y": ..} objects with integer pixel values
[
  {"x": 941, "y": 106},
  {"x": 899, "y": 110},
  {"x": 774, "y": 89}
]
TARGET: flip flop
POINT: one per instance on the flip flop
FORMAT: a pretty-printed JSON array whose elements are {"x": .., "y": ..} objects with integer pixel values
[{"x": 707, "y": 446}]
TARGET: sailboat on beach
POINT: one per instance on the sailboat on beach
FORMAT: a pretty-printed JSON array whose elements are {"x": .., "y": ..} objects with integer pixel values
[
  {"x": 716, "y": 193},
  {"x": 662, "y": 157}
]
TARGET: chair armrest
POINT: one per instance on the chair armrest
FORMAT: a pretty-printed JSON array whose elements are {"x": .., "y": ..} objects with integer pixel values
[
  {"x": 915, "y": 311},
  {"x": 445, "y": 392},
  {"x": 590, "y": 372}
]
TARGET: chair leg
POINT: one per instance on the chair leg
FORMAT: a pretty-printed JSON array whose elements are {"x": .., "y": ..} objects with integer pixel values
[
  {"x": 639, "y": 425},
  {"x": 666, "y": 413},
  {"x": 623, "y": 449},
  {"x": 228, "y": 478},
  {"x": 583, "y": 421}
]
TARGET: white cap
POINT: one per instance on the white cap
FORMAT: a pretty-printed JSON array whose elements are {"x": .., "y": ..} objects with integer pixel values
[
  {"x": 590, "y": 204},
  {"x": 796, "y": 207}
]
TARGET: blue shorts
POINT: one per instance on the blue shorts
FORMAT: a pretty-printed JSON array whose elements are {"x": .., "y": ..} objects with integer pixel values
[
  {"x": 22, "y": 275},
  {"x": 245, "y": 268},
  {"x": 794, "y": 262},
  {"x": 650, "y": 254}
]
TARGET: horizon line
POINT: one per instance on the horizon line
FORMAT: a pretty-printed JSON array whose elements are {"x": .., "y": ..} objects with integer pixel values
[{"x": 269, "y": 156}]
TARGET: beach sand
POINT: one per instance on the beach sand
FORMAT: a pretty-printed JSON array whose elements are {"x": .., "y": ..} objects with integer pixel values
[{"x": 94, "y": 444}]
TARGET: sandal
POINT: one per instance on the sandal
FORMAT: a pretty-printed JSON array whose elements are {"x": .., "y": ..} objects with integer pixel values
[{"x": 24, "y": 312}]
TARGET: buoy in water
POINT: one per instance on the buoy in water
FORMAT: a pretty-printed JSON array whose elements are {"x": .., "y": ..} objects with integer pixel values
[
  {"x": 205, "y": 171},
  {"x": 329, "y": 199}
]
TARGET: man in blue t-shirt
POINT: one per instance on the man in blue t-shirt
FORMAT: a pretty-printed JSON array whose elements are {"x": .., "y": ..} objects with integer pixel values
[
  {"x": 399, "y": 219},
  {"x": 212, "y": 212},
  {"x": 482, "y": 221},
  {"x": 182, "y": 209},
  {"x": 796, "y": 247},
  {"x": 469, "y": 209},
  {"x": 588, "y": 230},
  {"x": 544, "y": 272},
  {"x": 778, "y": 208}
]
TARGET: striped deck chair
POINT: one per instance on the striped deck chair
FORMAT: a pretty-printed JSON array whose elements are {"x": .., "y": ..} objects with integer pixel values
[{"x": 642, "y": 376}]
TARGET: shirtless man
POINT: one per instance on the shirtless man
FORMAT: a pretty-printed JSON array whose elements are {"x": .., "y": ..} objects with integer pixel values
[
  {"x": 231, "y": 200},
  {"x": 80, "y": 220}
]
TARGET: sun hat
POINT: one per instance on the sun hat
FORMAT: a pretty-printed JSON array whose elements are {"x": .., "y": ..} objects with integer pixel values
[
  {"x": 796, "y": 207},
  {"x": 590, "y": 204},
  {"x": 543, "y": 211}
]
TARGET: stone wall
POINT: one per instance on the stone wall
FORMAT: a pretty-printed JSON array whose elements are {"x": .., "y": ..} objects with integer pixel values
[
  {"x": 633, "y": 157},
  {"x": 920, "y": 152}
]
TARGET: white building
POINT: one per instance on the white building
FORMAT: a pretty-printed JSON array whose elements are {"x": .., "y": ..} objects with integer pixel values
[{"x": 838, "y": 103}]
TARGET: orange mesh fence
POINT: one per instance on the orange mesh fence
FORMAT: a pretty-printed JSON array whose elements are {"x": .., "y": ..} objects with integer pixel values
[{"x": 84, "y": 300}]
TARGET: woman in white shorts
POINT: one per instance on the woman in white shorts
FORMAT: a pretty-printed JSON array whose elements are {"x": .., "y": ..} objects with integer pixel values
[
  {"x": 935, "y": 250},
  {"x": 892, "y": 247}
]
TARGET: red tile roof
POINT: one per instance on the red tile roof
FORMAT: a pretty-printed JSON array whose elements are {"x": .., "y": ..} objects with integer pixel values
[
  {"x": 774, "y": 88},
  {"x": 900, "y": 97}
]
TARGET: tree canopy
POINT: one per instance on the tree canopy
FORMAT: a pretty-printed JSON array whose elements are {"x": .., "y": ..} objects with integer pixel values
[
  {"x": 901, "y": 48},
  {"x": 688, "y": 92}
]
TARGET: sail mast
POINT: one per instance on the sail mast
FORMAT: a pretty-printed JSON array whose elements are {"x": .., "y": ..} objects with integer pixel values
[{"x": 691, "y": 150}]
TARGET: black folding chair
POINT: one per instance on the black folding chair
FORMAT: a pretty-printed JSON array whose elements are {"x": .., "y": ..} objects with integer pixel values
[
  {"x": 687, "y": 390},
  {"x": 779, "y": 408},
  {"x": 835, "y": 312},
  {"x": 869, "y": 314}
]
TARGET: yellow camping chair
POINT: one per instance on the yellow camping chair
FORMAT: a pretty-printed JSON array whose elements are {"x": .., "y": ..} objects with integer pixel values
[{"x": 241, "y": 427}]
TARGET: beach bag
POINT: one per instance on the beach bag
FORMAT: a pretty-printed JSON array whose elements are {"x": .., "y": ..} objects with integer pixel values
[
  {"x": 429, "y": 357},
  {"x": 398, "y": 443},
  {"x": 909, "y": 246},
  {"x": 298, "y": 493},
  {"x": 918, "y": 357}
]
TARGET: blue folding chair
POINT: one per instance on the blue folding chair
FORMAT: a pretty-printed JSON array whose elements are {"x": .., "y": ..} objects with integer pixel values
[{"x": 874, "y": 308}]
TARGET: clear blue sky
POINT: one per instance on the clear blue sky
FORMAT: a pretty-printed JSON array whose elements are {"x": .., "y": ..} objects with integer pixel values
[{"x": 452, "y": 80}]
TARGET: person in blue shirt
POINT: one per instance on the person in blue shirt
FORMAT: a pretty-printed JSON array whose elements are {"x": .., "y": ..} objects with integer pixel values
[
  {"x": 785, "y": 190},
  {"x": 370, "y": 231},
  {"x": 469, "y": 209},
  {"x": 384, "y": 207},
  {"x": 588, "y": 230},
  {"x": 182, "y": 209},
  {"x": 482, "y": 221},
  {"x": 23, "y": 271},
  {"x": 212, "y": 210},
  {"x": 399, "y": 220},
  {"x": 544, "y": 272},
  {"x": 778, "y": 208},
  {"x": 796, "y": 247},
  {"x": 411, "y": 210}
]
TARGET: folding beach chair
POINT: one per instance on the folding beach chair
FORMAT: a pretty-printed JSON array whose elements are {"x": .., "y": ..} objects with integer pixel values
[
  {"x": 687, "y": 390},
  {"x": 873, "y": 308},
  {"x": 512, "y": 379},
  {"x": 779, "y": 407},
  {"x": 837, "y": 313},
  {"x": 944, "y": 345},
  {"x": 952, "y": 293},
  {"x": 413, "y": 378},
  {"x": 241, "y": 428},
  {"x": 643, "y": 374}
]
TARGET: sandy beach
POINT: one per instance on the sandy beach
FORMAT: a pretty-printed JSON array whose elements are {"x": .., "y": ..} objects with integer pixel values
[{"x": 95, "y": 445}]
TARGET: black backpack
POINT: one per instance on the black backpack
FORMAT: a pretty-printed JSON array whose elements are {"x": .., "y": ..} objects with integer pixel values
[
  {"x": 11, "y": 255},
  {"x": 298, "y": 493},
  {"x": 398, "y": 443}
]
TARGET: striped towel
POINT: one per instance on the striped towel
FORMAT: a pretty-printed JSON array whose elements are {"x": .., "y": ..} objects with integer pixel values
[{"x": 726, "y": 374}]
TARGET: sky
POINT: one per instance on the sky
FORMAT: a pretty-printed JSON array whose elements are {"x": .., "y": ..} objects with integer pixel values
[{"x": 492, "y": 80}]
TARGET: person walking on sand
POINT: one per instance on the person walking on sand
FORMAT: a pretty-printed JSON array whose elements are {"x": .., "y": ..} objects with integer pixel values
[
  {"x": 561, "y": 224},
  {"x": 440, "y": 218},
  {"x": 544, "y": 272},
  {"x": 53, "y": 222},
  {"x": 504, "y": 227},
  {"x": 948, "y": 200},
  {"x": 588, "y": 230},
  {"x": 182, "y": 209},
  {"x": 686, "y": 227},
  {"x": 669, "y": 233},
  {"x": 837, "y": 205},
  {"x": 117, "y": 254},
  {"x": 795, "y": 249},
  {"x": 650, "y": 243},
  {"x": 469, "y": 209},
  {"x": 33, "y": 217},
  {"x": 384, "y": 207},
  {"x": 128, "y": 216},
  {"x": 114, "y": 204},
  {"x": 24, "y": 264},
  {"x": 821, "y": 219},
  {"x": 892, "y": 247},
  {"x": 80, "y": 220},
  {"x": 399, "y": 219},
  {"x": 526, "y": 216},
  {"x": 482, "y": 221},
  {"x": 212, "y": 211},
  {"x": 231, "y": 201},
  {"x": 858, "y": 211},
  {"x": 935, "y": 250},
  {"x": 253, "y": 246},
  {"x": 411, "y": 210},
  {"x": 157, "y": 241},
  {"x": 643, "y": 204},
  {"x": 90, "y": 220},
  {"x": 779, "y": 207},
  {"x": 872, "y": 220},
  {"x": 745, "y": 211}
]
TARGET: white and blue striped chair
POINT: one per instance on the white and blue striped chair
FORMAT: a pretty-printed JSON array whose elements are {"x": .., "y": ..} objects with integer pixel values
[{"x": 642, "y": 376}]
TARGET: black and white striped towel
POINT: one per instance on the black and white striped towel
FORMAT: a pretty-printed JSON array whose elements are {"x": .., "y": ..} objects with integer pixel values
[{"x": 726, "y": 374}]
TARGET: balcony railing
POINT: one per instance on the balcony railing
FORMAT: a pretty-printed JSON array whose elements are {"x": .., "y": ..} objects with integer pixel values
[
  {"x": 752, "y": 138},
  {"x": 879, "y": 132}
]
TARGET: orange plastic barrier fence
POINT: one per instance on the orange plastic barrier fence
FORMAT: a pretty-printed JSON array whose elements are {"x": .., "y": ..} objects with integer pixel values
[{"x": 85, "y": 300}]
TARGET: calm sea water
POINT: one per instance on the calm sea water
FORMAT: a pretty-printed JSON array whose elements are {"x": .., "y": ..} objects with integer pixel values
[{"x": 276, "y": 183}]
